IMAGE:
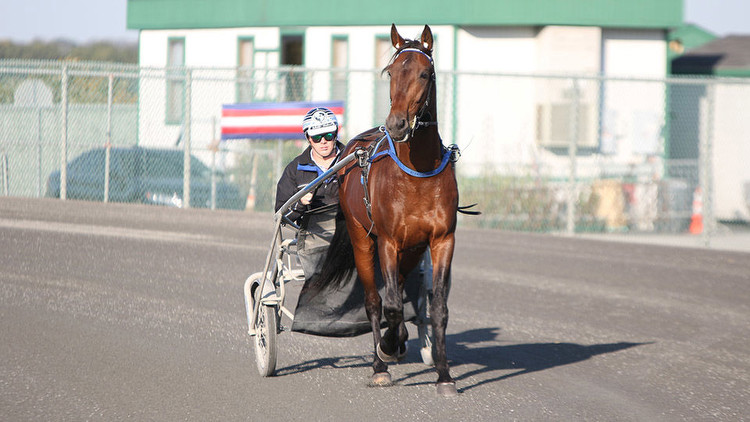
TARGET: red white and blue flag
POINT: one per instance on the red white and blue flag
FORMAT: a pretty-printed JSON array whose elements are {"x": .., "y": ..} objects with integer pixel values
[{"x": 271, "y": 120}]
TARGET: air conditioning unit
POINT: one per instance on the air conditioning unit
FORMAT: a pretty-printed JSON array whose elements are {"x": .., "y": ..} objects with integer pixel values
[{"x": 553, "y": 123}]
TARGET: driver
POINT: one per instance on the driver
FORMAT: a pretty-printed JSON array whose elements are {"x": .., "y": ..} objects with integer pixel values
[{"x": 320, "y": 128}]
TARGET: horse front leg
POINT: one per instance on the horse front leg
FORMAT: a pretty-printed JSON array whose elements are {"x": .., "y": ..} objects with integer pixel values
[
  {"x": 364, "y": 259},
  {"x": 442, "y": 255},
  {"x": 392, "y": 346}
]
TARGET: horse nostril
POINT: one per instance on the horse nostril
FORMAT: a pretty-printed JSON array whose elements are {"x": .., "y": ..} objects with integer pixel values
[{"x": 396, "y": 123}]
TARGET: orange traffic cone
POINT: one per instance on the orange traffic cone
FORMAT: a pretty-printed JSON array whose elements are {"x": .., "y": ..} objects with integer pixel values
[
  {"x": 250, "y": 203},
  {"x": 696, "y": 221}
]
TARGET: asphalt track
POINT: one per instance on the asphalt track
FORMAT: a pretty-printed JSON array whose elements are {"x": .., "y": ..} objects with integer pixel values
[{"x": 111, "y": 312}]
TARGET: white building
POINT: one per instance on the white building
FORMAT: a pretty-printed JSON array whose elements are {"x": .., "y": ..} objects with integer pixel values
[{"x": 497, "y": 120}]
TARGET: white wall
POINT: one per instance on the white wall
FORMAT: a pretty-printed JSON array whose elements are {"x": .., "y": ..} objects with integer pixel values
[
  {"x": 485, "y": 139},
  {"x": 632, "y": 113},
  {"x": 731, "y": 151}
]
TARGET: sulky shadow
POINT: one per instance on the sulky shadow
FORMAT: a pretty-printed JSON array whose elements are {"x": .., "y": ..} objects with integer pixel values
[
  {"x": 478, "y": 348},
  {"x": 353, "y": 361}
]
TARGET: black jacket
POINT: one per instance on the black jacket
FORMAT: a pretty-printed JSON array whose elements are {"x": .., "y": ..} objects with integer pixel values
[{"x": 301, "y": 171}]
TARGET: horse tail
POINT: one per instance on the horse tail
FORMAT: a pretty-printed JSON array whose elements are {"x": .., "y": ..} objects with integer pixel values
[{"x": 338, "y": 264}]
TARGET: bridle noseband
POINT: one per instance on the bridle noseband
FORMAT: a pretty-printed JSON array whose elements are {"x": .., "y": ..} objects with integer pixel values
[{"x": 418, "y": 118}]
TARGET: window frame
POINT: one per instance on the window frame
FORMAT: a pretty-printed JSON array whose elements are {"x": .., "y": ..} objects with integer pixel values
[{"x": 174, "y": 88}]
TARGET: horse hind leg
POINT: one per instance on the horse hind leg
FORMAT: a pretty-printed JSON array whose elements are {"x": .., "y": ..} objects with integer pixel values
[
  {"x": 401, "y": 338},
  {"x": 407, "y": 263},
  {"x": 392, "y": 346}
]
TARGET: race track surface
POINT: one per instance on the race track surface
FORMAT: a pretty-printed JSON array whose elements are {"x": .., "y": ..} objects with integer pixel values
[{"x": 111, "y": 312}]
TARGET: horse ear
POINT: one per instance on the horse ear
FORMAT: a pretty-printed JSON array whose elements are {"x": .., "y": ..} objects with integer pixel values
[
  {"x": 427, "y": 38},
  {"x": 396, "y": 39}
]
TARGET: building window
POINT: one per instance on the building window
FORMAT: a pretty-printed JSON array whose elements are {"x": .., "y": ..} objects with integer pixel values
[
  {"x": 564, "y": 112},
  {"x": 383, "y": 52},
  {"x": 175, "y": 101},
  {"x": 339, "y": 60},
  {"x": 245, "y": 83},
  {"x": 292, "y": 54}
]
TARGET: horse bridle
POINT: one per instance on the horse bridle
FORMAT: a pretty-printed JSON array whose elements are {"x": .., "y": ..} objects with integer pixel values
[{"x": 418, "y": 122}]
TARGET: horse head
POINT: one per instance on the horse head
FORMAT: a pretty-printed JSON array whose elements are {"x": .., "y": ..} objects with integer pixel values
[{"x": 412, "y": 74}]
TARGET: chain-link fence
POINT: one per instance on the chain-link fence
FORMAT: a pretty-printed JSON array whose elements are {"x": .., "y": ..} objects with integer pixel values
[{"x": 539, "y": 153}]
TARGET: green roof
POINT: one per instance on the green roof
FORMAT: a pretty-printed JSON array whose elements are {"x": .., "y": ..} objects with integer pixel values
[
  {"x": 691, "y": 36},
  {"x": 179, "y": 14}
]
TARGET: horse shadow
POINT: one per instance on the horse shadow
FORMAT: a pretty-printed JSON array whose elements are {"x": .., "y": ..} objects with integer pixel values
[
  {"x": 478, "y": 348},
  {"x": 467, "y": 348}
]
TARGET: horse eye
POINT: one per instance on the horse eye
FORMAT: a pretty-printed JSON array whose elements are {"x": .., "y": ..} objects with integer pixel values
[{"x": 424, "y": 75}]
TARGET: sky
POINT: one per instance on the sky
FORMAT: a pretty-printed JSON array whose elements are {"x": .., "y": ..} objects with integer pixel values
[{"x": 94, "y": 20}]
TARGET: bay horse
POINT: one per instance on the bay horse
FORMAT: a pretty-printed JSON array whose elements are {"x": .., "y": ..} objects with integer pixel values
[{"x": 402, "y": 201}]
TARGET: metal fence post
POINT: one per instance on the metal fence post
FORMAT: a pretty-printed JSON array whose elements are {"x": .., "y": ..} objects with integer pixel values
[
  {"x": 705, "y": 161},
  {"x": 186, "y": 138},
  {"x": 39, "y": 151},
  {"x": 108, "y": 146},
  {"x": 214, "y": 149},
  {"x": 64, "y": 134},
  {"x": 572, "y": 152},
  {"x": 4, "y": 170}
]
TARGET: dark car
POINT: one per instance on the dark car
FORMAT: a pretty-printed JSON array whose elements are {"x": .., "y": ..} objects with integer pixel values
[{"x": 150, "y": 176}]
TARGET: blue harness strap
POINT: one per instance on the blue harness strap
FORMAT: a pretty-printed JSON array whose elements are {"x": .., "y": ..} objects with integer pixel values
[{"x": 391, "y": 151}]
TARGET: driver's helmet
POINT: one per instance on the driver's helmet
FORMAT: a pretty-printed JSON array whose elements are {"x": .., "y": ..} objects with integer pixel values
[{"x": 318, "y": 121}]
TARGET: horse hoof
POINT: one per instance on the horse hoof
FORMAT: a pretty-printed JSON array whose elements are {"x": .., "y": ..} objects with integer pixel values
[
  {"x": 447, "y": 389},
  {"x": 381, "y": 379},
  {"x": 391, "y": 359}
]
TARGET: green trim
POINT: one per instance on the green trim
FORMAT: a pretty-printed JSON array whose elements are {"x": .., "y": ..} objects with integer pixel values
[
  {"x": 733, "y": 73},
  {"x": 710, "y": 72},
  {"x": 171, "y": 14},
  {"x": 691, "y": 36},
  {"x": 171, "y": 86}
]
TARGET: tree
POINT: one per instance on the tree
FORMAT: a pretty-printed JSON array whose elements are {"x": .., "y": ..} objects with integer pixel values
[{"x": 103, "y": 51}]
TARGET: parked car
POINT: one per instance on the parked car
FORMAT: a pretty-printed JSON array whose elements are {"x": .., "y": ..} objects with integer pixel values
[{"x": 149, "y": 176}]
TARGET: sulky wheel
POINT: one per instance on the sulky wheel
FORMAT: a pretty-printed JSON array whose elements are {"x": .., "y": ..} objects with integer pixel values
[{"x": 266, "y": 330}]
